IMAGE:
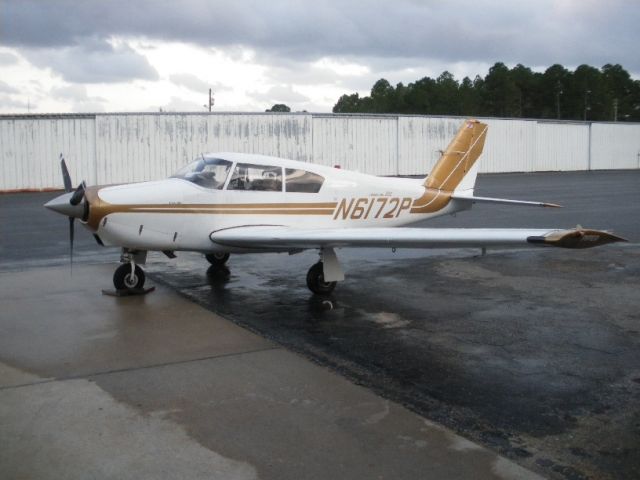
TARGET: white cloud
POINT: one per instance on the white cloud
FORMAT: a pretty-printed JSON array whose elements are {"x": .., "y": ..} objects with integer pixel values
[
  {"x": 280, "y": 94},
  {"x": 6, "y": 88},
  {"x": 177, "y": 104}
]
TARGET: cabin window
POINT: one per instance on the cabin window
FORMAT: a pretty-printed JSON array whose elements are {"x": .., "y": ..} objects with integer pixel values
[
  {"x": 262, "y": 178},
  {"x": 302, "y": 181},
  {"x": 207, "y": 172}
]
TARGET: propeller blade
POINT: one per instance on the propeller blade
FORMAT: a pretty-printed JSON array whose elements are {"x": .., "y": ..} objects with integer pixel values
[
  {"x": 71, "y": 234},
  {"x": 78, "y": 195},
  {"x": 66, "y": 178}
]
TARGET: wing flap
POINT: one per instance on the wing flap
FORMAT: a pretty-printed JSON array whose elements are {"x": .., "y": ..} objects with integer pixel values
[{"x": 269, "y": 237}]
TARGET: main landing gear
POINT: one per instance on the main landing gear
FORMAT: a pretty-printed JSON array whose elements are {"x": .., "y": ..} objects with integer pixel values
[
  {"x": 324, "y": 275},
  {"x": 315, "y": 280},
  {"x": 217, "y": 259}
]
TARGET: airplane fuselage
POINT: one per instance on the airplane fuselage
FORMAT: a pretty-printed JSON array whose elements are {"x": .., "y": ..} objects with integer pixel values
[{"x": 177, "y": 214}]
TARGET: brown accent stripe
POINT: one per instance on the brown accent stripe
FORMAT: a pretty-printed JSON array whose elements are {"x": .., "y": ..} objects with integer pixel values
[
  {"x": 224, "y": 211},
  {"x": 431, "y": 201},
  {"x": 240, "y": 206}
]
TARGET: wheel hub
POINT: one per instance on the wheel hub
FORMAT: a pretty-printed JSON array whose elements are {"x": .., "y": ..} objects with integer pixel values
[{"x": 131, "y": 280}]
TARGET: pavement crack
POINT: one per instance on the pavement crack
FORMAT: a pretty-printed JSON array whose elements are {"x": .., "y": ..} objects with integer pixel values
[
  {"x": 141, "y": 367},
  {"x": 594, "y": 349}
]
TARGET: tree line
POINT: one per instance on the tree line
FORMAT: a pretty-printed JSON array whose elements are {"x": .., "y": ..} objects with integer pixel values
[{"x": 587, "y": 93}]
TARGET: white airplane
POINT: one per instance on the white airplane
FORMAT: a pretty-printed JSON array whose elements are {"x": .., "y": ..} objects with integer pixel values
[{"x": 226, "y": 203}]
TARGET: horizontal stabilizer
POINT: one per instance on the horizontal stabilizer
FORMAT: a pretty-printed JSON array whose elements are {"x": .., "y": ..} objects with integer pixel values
[{"x": 503, "y": 201}]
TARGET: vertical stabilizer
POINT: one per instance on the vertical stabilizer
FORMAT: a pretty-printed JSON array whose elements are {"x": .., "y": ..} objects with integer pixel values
[{"x": 455, "y": 170}]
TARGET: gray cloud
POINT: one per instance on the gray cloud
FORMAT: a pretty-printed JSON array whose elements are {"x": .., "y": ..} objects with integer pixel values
[
  {"x": 8, "y": 58},
  {"x": 534, "y": 33},
  {"x": 95, "y": 61}
]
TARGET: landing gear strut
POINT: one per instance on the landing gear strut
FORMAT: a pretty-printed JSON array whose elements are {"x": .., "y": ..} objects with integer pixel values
[{"x": 217, "y": 259}]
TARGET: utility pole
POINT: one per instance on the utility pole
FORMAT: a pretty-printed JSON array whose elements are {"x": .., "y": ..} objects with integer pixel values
[
  {"x": 615, "y": 109},
  {"x": 586, "y": 103},
  {"x": 211, "y": 100},
  {"x": 558, "y": 93}
]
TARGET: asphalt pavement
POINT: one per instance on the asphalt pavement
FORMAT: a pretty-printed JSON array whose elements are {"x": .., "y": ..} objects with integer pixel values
[{"x": 533, "y": 354}]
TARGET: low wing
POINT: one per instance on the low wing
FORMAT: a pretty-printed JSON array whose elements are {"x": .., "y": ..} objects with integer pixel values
[{"x": 279, "y": 237}]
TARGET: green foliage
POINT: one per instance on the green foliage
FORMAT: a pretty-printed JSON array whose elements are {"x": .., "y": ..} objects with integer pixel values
[
  {"x": 279, "y": 107},
  {"x": 586, "y": 93}
]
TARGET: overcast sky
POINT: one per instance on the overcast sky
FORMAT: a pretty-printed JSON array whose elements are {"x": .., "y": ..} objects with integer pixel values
[{"x": 143, "y": 55}]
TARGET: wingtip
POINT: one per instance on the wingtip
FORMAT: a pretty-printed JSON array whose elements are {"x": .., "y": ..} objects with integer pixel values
[{"x": 578, "y": 238}]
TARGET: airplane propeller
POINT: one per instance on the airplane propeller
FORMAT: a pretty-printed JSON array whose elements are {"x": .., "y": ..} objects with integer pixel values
[
  {"x": 78, "y": 194},
  {"x": 70, "y": 204}
]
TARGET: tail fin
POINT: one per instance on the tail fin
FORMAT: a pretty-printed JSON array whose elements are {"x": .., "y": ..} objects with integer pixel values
[{"x": 455, "y": 169}]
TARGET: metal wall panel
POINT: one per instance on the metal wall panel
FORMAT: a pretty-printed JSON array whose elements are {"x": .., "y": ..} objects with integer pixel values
[
  {"x": 615, "y": 146},
  {"x": 562, "y": 146},
  {"x": 113, "y": 148},
  {"x": 421, "y": 141},
  {"x": 510, "y": 146},
  {"x": 145, "y": 147},
  {"x": 30, "y": 147},
  {"x": 364, "y": 144}
]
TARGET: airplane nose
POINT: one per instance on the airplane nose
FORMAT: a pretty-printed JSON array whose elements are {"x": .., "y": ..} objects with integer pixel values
[{"x": 62, "y": 205}]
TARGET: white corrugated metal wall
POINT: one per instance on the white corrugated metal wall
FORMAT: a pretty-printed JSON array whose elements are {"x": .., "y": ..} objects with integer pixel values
[
  {"x": 29, "y": 151},
  {"x": 144, "y": 147},
  {"x": 364, "y": 144},
  {"x": 113, "y": 148},
  {"x": 614, "y": 144}
]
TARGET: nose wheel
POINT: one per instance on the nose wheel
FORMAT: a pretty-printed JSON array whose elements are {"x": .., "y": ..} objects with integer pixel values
[{"x": 128, "y": 276}]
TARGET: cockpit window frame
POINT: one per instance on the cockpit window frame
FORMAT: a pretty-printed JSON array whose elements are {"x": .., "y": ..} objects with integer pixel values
[
  {"x": 206, "y": 161},
  {"x": 314, "y": 180},
  {"x": 254, "y": 164}
]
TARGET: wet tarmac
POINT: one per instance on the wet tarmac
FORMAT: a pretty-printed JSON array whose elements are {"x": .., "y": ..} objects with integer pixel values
[{"x": 533, "y": 353}]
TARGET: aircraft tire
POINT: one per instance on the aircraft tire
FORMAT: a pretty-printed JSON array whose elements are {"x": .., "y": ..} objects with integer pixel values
[
  {"x": 316, "y": 283},
  {"x": 217, "y": 259},
  {"x": 123, "y": 280}
]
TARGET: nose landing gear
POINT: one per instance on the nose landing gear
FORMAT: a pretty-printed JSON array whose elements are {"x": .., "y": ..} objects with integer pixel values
[{"x": 129, "y": 278}]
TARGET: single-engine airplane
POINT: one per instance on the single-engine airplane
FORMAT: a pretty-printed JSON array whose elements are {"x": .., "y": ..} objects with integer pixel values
[{"x": 225, "y": 203}]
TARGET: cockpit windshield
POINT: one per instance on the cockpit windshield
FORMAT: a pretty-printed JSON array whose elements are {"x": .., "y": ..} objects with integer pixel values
[{"x": 207, "y": 172}]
